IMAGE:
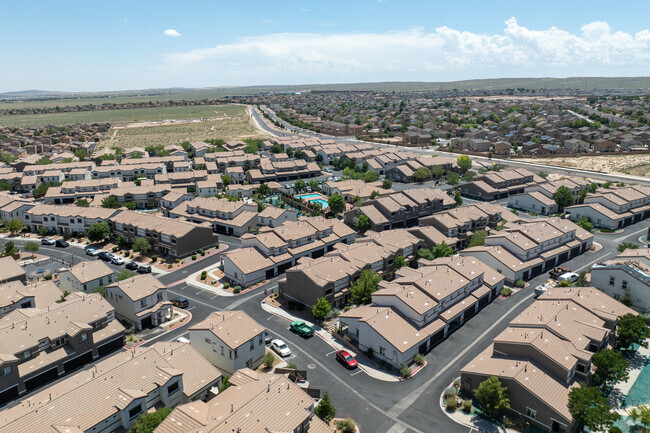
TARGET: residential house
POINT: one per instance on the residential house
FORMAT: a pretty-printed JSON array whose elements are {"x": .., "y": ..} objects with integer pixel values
[{"x": 140, "y": 300}]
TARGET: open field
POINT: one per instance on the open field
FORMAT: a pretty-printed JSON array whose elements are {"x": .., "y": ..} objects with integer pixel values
[
  {"x": 238, "y": 127},
  {"x": 636, "y": 165},
  {"x": 123, "y": 116}
]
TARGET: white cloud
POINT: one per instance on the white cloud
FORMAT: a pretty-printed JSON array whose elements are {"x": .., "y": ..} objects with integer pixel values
[
  {"x": 443, "y": 54},
  {"x": 171, "y": 32}
]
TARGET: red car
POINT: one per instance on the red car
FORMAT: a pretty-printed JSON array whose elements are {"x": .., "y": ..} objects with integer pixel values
[{"x": 346, "y": 359}]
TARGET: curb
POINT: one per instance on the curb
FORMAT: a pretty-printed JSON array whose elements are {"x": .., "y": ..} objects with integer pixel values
[
  {"x": 189, "y": 319},
  {"x": 417, "y": 370},
  {"x": 598, "y": 247}
]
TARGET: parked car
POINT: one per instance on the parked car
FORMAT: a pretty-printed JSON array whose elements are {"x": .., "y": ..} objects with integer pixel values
[
  {"x": 47, "y": 241},
  {"x": 180, "y": 302},
  {"x": 348, "y": 361},
  {"x": 557, "y": 271},
  {"x": 117, "y": 260},
  {"x": 267, "y": 338},
  {"x": 571, "y": 277},
  {"x": 61, "y": 243},
  {"x": 280, "y": 347},
  {"x": 301, "y": 328},
  {"x": 182, "y": 340},
  {"x": 105, "y": 256},
  {"x": 144, "y": 269},
  {"x": 92, "y": 251},
  {"x": 132, "y": 266}
]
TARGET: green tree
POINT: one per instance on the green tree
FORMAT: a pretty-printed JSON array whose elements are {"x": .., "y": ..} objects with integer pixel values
[
  {"x": 14, "y": 226},
  {"x": 82, "y": 202},
  {"x": 98, "y": 232},
  {"x": 492, "y": 395},
  {"x": 437, "y": 171},
  {"x": 43, "y": 161},
  {"x": 469, "y": 176},
  {"x": 263, "y": 190},
  {"x": 374, "y": 195},
  {"x": 313, "y": 184},
  {"x": 31, "y": 247},
  {"x": 147, "y": 423},
  {"x": 422, "y": 174},
  {"x": 226, "y": 180},
  {"x": 458, "y": 199},
  {"x": 142, "y": 246},
  {"x": 542, "y": 174},
  {"x": 464, "y": 162},
  {"x": 361, "y": 291},
  {"x": 370, "y": 176},
  {"x": 626, "y": 246},
  {"x": 386, "y": 183},
  {"x": 225, "y": 383},
  {"x": 299, "y": 186},
  {"x": 478, "y": 238},
  {"x": 582, "y": 280},
  {"x": 80, "y": 153},
  {"x": 124, "y": 274},
  {"x": 589, "y": 408},
  {"x": 110, "y": 202},
  {"x": 363, "y": 223},
  {"x": 10, "y": 249},
  {"x": 631, "y": 330},
  {"x": 585, "y": 223},
  {"x": 321, "y": 309},
  {"x": 442, "y": 250},
  {"x": 131, "y": 205},
  {"x": 592, "y": 187},
  {"x": 611, "y": 367},
  {"x": 276, "y": 148},
  {"x": 297, "y": 153},
  {"x": 607, "y": 184},
  {"x": 5, "y": 186},
  {"x": 563, "y": 197},
  {"x": 400, "y": 262},
  {"x": 336, "y": 203},
  {"x": 41, "y": 190},
  {"x": 43, "y": 231},
  {"x": 325, "y": 410},
  {"x": 452, "y": 178}
]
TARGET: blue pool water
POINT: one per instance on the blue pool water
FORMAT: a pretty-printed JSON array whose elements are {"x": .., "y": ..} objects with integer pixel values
[
  {"x": 640, "y": 392},
  {"x": 314, "y": 198},
  {"x": 321, "y": 202},
  {"x": 308, "y": 196}
]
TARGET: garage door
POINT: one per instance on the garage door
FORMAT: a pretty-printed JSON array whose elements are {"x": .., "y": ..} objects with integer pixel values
[
  {"x": 78, "y": 362},
  {"x": 8, "y": 395},
  {"x": 146, "y": 322},
  {"x": 41, "y": 379},
  {"x": 111, "y": 346}
]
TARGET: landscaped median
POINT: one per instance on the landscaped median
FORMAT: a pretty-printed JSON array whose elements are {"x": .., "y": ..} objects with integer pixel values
[{"x": 181, "y": 318}]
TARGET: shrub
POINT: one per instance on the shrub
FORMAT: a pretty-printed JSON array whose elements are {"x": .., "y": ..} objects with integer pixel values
[
  {"x": 202, "y": 253},
  {"x": 419, "y": 359},
  {"x": 405, "y": 371},
  {"x": 236, "y": 289},
  {"x": 467, "y": 406},
  {"x": 520, "y": 284},
  {"x": 347, "y": 426},
  {"x": 346, "y": 308},
  {"x": 177, "y": 260},
  {"x": 204, "y": 275},
  {"x": 506, "y": 291},
  {"x": 268, "y": 360},
  {"x": 47, "y": 276},
  {"x": 457, "y": 383},
  {"x": 116, "y": 249},
  {"x": 154, "y": 258},
  {"x": 451, "y": 392},
  {"x": 451, "y": 403},
  {"x": 226, "y": 285},
  {"x": 169, "y": 266},
  {"x": 194, "y": 257}
]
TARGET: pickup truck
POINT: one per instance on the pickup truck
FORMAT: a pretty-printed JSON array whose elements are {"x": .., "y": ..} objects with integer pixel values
[{"x": 301, "y": 328}]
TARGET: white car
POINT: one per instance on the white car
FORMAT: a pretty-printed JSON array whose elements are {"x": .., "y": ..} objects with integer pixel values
[
  {"x": 92, "y": 251},
  {"x": 182, "y": 340},
  {"x": 117, "y": 260},
  {"x": 280, "y": 347}
]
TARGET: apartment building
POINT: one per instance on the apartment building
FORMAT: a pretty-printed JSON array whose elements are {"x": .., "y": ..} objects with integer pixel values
[
  {"x": 144, "y": 196},
  {"x": 230, "y": 340},
  {"x": 10, "y": 270},
  {"x": 613, "y": 208},
  {"x": 128, "y": 172},
  {"x": 330, "y": 276},
  {"x": 85, "y": 277},
  {"x": 233, "y": 218},
  {"x": 110, "y": 396},
  {"x": 182, "y": 179},
  {"x": 165, "y": 235},
  {"x": 39, "y": 170},
  {"x": 282, "y": 171},
  {"x": 142, "y": 301},
  {"x": 352, "y": 189},
  {"x": 546, "y": 351},
  {"x": 499, "y": 184},
  {"x": 275, "y": 249},
  {"x": 625, "y": 277},
  {"x": 15, "y": 294},
  {"x": 249, "y": 394},
  {"x": 69, "y": 192},
  {"x": 420, "y": 308},
  {"x": 43, "y": 344},
  {"x": 65, "y": 219},
  {"x": 401, "y": 209}
]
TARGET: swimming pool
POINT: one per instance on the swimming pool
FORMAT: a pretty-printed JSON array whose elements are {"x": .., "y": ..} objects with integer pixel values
[
  {"x": 309, "y": 196},
  {"x": 323, "y": 203},
  {"x": 639, "y": 394},
  {"x": 315, "y": 198}
]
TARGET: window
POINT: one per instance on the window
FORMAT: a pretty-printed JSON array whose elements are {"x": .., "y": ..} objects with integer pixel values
[
  {"x": 530, "y": 413},
  {"x": 223, "y": 351},
  {"x": 382, "y": 351},
  {"x": 230, "y": 354},
  {"x": 143, "y": 302},
  {"x": 26, "y": 354},
  {"x": 207, "y": 340},
  {"x": 83, "y": 337},
  {"x": 260, "y": 340},
  {"x": 173, "y": 388},
  {"x": 59, "y": 342},
  {"x": 236, "y": 355},
  {"x": 135, "y": 411},
  {"x": 624, "y": 285},
  {"x": 160, "y": 296},
  {"x": 611, "y": 281},
  {"x": 252, "y": 345},
  {"x": 5, "y": 371}
]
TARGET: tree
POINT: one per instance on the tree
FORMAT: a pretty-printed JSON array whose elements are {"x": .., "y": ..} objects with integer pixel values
[
  {"x": 589, "y": 408},
  {"x": 370, "y": 176},
  {"x": 400, "y": 262},
  {"x": 82, "y": 202},
  {"x": 374, "y": 195},
  {"x": 263, "y": 190},
  {"x": 10, "y": 249},
  {"x": 299, "y": 186},
  {"x": 276, "y": 148},
  {"x": 585, "y": 223},
  {"x": 131, "y": 205},
  {"x": 321, "y": 309},
  {"x": 110, "y": 202},
  {"x": 453, "y": 178},
  {"x": 80, "y": 153},
  {"x": 437, "y": 171},
  {"x": 422, "y": 174},
  {"x": 5, "y": 186},
  {"x": 442, "y": 250},
  {"x": 31, "y": 247},
  {"x": 464, "y": 162},
  {"x": 43, "y": 231},
  {"x": 611, "y": 367},
  {"x": 386, "y": 183},
  {"x": 582, "y": 280},
  {"x": 124, "y": 274},
  {"x": 313, "y": 184},
  {"x": 492, "y": 395},
  {"x": 226, "y": 180},
  {"x": 477, "y": 239},
  {"x": 147, "y": 423},
  {"x": 363, "y": 223},
  {"x": 14, "y": 226},
  {"x": 458, "y": 199},
  {"x": 361, "y": 291},
  {"x": 563, "y": 197},
  {"x": 607, "y": 184},
  {"x": 592, "y": 187},
  {"x": 325, "y": 410},
  {"x": 41, "y": 190},
  {"x": 98, "y": 232},
  {"x": 469, "y": 176},
  {"x": 336, "y": 203},
  {"x": 626, "y": 246},
  {"x": 297, "y": 153},
  {"x": 141, "y": 245},
  {"x": 542, "y": 174},
  {"x": 631, "y": 330}
]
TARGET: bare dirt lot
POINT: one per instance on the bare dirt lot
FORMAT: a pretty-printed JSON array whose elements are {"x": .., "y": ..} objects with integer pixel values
[{"x": 635, "y": 165}]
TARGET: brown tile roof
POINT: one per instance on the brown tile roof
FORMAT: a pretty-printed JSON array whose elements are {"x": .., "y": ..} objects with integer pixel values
[
  {"x": 139, "y": 286},
  {"x": 234, "y": 328},
  {"x": 89, "y": 271}
]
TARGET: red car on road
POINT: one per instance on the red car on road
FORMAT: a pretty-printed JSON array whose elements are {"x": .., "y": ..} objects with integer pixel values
[{"x": 344, "y": 357}]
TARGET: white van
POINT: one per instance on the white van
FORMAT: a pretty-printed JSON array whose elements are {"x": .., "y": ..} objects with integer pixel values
[{"x": 571, "y": 277}]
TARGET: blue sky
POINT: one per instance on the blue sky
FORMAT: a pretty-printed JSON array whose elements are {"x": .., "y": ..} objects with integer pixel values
[{"x": 113, "y": 45}]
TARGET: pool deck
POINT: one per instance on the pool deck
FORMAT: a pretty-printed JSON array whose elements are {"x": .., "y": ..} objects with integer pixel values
[{"x": 622, "y": 389}]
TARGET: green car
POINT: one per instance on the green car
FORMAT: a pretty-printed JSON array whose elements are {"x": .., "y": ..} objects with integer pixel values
[{"x": 301, "y": 328}]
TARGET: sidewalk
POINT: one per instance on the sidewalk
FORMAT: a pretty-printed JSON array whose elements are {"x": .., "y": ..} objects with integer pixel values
[
  {"x": 363, "y": 363},
  {"x": 217, "y": 290}
]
